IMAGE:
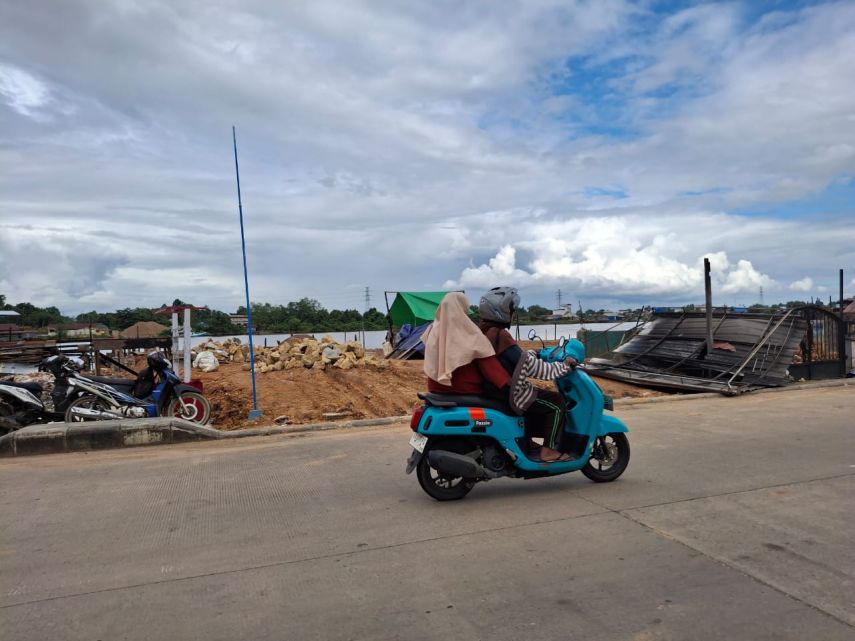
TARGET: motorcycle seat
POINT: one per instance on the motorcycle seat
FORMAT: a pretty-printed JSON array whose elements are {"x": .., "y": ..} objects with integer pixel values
[
  {"x": 32, "y": 386},
  {"x": 115, "y": 382},
  {"x": 465, "y": 400}
]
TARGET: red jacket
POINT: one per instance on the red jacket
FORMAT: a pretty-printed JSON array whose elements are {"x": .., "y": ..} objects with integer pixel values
[{"x": 469, "y": 378}]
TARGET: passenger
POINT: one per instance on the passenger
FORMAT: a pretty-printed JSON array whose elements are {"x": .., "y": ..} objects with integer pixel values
[
  {"x": 543, "y": 410},
  {"x": 458, "y": 357}
]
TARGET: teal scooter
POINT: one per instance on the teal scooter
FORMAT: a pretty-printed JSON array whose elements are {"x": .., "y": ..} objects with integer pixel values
[{"x": 459, "y": 440}]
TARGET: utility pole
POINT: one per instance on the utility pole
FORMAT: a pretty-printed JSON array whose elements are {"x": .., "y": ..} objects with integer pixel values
[{"x": 254, "y": 413}]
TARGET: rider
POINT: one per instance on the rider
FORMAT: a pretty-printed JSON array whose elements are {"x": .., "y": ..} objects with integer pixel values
[
  {"x": 458, "y": 357},
  {"x": 543, "y": 410}
]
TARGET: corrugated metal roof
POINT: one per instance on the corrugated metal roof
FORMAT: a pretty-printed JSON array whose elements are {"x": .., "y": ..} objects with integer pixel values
[{"x": 670, "y": 351}]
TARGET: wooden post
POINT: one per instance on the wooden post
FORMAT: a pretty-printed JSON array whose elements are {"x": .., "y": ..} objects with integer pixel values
[
  {"x": 708, "y": 292},
  {"x": 187, "y": 338}
]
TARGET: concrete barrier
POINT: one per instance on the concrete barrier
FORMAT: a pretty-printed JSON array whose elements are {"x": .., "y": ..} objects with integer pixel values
[{"x": 98, "y": 435}]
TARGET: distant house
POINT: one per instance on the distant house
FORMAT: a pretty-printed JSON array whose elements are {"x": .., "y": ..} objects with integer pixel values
[
  {"x": 239, "y": 319},
  {"x": 144, "y": 329},
  {"x": 9, "y": 331},
  {"x": 563, "y": 313}
]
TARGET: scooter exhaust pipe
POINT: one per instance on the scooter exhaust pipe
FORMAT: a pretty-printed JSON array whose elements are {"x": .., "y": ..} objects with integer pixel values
[
  {"x": 454, "y": 465},
  {"x": 85, "y": 412}
]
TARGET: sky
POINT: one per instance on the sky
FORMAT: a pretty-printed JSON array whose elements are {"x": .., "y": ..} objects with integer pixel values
[{"x": 601, "y": 148}]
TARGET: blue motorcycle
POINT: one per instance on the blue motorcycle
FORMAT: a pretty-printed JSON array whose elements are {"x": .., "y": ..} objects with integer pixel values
[
  {"x": 157, "y": 391},
  {"x": 460, "y": 440}
]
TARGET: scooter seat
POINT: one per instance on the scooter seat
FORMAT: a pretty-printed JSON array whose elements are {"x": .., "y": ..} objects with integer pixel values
[
  {"x": 34, "y": 387},
  {"x": 114, "y": 382},
  {"x": 465, "y": 400}
]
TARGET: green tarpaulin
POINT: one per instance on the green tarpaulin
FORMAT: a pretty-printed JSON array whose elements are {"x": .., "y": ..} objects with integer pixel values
[{"x": 415, "y": 308}]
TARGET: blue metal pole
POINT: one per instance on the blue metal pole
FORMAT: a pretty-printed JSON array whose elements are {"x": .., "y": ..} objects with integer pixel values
[{"x": 254, "y": 413}]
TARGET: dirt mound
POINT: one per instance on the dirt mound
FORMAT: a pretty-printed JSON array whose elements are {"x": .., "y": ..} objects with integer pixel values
[
  {"x": 311, "y": 395},
  {"x": 306, "y": 395}
]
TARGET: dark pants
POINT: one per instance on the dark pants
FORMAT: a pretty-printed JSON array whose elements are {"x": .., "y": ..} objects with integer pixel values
[{"x": 545, "y": 418}]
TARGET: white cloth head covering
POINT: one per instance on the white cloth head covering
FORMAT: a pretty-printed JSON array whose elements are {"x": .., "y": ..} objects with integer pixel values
[{"x": 453, "y": 340}]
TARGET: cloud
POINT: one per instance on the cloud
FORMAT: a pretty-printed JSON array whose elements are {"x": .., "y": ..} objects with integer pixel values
[
  {"x": 615, "y": 256},
  {"x": 52, "y": 267},
  {"x": 401, "y": 146},
  {"x": 802, "y": 285},
  {"x": 21, "y": 91}
]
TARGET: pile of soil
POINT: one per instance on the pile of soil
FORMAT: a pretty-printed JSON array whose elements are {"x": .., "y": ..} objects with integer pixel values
[{"x": 307, "y": 395}]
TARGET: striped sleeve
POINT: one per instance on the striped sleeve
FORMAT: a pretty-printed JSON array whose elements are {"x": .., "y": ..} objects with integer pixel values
[{"x": 541, "y": 370}]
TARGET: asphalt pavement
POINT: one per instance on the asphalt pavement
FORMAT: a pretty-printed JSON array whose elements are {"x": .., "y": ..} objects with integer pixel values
[{"x": 733, "y": 521}]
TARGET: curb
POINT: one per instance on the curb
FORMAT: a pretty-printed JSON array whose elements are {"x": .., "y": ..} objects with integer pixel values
[{"x": 97, "y": 435}]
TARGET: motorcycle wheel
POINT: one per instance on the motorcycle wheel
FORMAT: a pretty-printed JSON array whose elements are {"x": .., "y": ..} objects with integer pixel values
[
  {"x": 438, "y": 486},
  {"x": 87, "y": 401},
  {"x": 7, "y": 423},
  {"x": 609, "y": 458},
  {"x": 195, "y": 408}
]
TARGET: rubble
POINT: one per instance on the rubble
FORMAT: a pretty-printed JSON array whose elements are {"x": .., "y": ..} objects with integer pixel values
[{"x": 294, "y": 353}]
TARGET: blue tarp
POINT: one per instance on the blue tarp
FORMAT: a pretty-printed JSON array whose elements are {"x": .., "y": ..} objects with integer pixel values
[{"x": 410, "y": 337}]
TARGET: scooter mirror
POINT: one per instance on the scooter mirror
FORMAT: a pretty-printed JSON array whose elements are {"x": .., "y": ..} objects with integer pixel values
[{"x": 532, "y": 336}]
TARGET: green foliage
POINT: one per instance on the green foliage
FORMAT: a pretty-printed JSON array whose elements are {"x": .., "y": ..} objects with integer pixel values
[
  {"x": 308, "y": 315},
  {"x": 215, "y": 323},
  {"x": 32, "y": 316},
  {"x": 123, "y": 318}
]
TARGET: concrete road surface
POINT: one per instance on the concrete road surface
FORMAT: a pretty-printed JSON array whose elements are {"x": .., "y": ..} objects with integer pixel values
[{"x": 735, "y": 520}]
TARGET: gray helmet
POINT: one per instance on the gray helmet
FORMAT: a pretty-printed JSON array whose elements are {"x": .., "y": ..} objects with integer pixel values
[{"x": 499, "y": 305}]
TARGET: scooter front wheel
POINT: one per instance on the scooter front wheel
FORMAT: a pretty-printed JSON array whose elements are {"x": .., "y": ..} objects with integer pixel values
[
  {"x": 609, "y": 458},
  {"x": 434, "y": 483}
]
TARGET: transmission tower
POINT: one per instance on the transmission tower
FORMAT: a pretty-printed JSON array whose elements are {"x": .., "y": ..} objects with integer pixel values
[
  {"x": 558, "y": 296},
  {"x": 761, "y": 294},
  {"x": 367, "y": 307}
]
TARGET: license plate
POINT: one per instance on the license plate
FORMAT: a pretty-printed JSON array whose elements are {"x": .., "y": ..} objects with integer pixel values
[{"x": 418, "y": 442}]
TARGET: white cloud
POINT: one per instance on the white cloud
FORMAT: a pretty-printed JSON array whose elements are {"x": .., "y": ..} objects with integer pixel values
[
  {"x": 620, "y": 256},
  {"x": 21, "y": 91},
  {"x": 802, "y": 285}
]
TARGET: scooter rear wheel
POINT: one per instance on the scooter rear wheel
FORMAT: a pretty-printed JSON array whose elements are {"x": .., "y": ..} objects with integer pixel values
[
  {"x": 609, "y": 458},
  {"x": 435, "y": 484}
]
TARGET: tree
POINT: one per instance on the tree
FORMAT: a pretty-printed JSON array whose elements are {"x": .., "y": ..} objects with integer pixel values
[{"x": 536, "y": 311}]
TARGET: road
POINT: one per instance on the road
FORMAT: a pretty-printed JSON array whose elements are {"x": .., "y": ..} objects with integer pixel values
[{"x": 733, "y": 521}]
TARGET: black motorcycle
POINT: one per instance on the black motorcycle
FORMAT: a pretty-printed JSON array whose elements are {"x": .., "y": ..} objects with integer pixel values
[{"x": 21, "y": 404}]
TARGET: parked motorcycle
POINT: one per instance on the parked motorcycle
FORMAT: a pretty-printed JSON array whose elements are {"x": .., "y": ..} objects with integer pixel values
[
  {"x": 21, "y": 403},
  {"x": 460, "y": 440},
  {"x": 157, "y": 391}
]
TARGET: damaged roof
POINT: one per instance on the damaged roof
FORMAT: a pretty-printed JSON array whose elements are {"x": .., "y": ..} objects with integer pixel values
[{"x": 670, "y": 351}]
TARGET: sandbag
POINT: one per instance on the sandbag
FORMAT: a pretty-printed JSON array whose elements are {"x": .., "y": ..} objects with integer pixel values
[{"x": 207, "y": 362}]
